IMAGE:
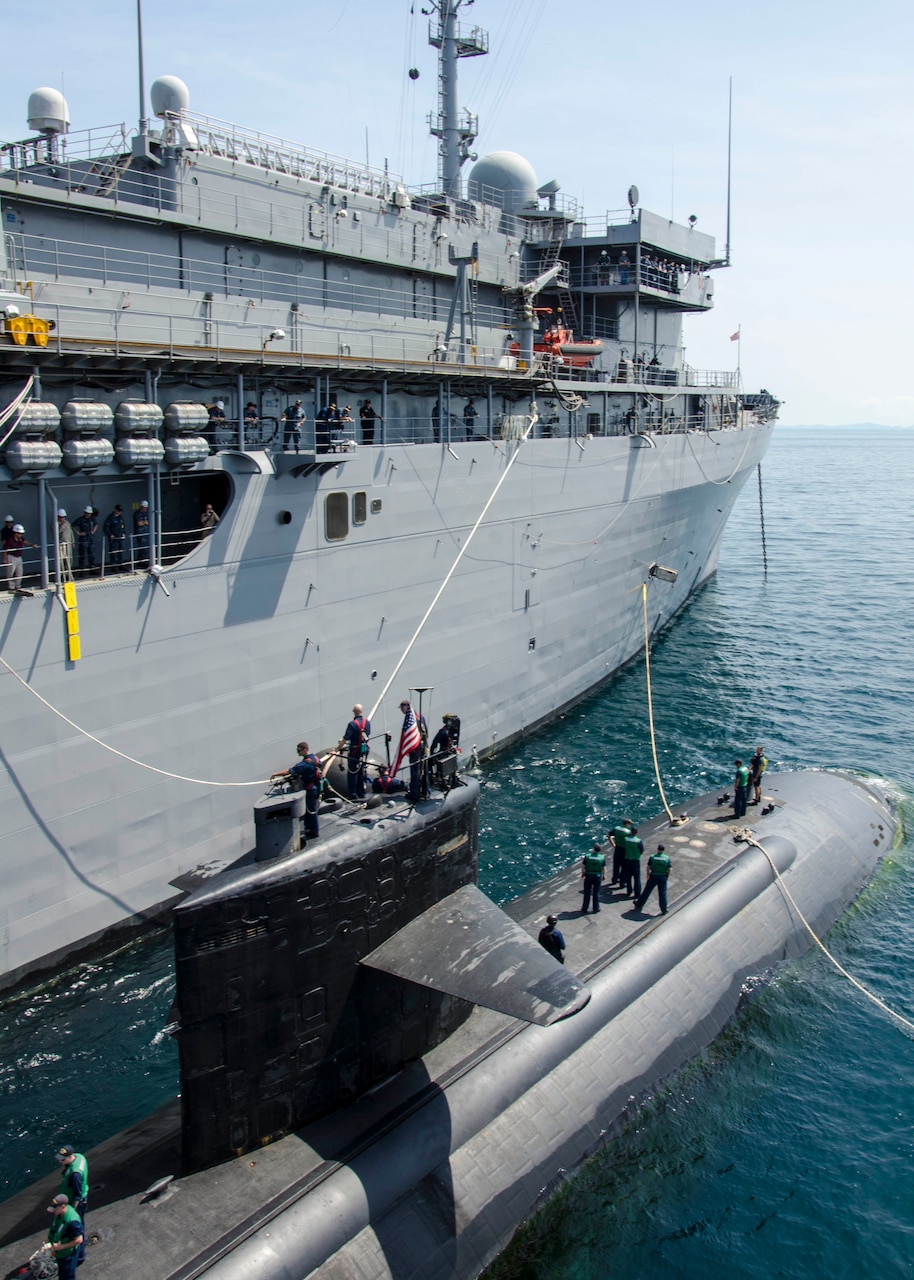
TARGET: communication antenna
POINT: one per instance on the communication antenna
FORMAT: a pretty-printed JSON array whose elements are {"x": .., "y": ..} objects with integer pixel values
[
  {"x": 729, "y": 155},
  {"x": 139, "y": 41}
]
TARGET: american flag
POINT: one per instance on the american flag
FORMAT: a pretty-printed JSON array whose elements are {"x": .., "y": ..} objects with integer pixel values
[{"x": 410, "y": 738}]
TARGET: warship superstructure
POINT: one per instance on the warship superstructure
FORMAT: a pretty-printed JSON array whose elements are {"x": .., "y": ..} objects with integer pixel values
[{"x": 536, "y": 446}]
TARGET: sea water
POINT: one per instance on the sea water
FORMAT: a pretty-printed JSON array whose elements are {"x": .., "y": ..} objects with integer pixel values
[{"x": 786, "y": 1149}]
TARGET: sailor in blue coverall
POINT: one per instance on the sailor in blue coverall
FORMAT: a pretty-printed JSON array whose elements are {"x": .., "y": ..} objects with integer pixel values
[{"x": 308, "y": 772}]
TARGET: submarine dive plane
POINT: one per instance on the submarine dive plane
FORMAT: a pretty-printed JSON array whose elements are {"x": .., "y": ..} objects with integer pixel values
[{"x": 381, "y": 1071}]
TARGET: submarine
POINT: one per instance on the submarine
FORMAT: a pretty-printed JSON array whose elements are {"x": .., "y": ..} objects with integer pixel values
[{"x": 383, "y": 1073}]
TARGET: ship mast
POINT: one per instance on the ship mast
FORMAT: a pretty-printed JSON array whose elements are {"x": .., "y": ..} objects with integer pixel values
[{"x": 455, "y": 132}]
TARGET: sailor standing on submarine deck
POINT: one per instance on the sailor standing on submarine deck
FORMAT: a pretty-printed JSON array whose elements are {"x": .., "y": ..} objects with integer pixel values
[
  {"x": 658, "y": 865},
  {"x": 308, "y": 772},
  {"x": 355, "y": 741},
  {"x": 593, "y": 868}
]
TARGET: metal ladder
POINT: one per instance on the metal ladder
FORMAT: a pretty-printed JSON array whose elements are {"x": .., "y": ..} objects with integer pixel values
[{"x": 551, "y": 254}]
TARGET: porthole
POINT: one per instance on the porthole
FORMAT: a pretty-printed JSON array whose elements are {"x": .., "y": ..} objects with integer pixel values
[
  {"x": 375, "y": 506},
  {"x": 285, "y": 517}
]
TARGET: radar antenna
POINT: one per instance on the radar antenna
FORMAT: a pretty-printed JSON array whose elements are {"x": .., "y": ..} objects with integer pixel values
[{"x": 455, "y": 132}]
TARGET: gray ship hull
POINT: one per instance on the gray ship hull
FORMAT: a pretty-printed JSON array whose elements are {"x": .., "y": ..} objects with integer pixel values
[{"x": 268, "y": 632}]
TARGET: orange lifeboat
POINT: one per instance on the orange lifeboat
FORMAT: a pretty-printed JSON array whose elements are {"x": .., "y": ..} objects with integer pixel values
[{"x": 564, "y": 348}]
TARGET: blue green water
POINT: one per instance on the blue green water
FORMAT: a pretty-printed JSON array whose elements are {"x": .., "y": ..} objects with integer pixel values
[{"x": 786, "y": 1150}]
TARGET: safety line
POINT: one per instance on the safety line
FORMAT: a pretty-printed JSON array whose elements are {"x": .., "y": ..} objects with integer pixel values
[
  {"x": 164, "y": 773},
  {"x": 650, "y": 707},
  {"x": 750, "y": 839}
]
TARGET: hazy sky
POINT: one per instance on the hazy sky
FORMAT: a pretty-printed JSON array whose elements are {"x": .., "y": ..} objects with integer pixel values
[{"x": 598, "y": 95}]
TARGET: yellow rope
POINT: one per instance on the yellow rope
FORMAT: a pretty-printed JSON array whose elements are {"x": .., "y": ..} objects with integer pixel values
[
  {"x": 164, "y": 773},
  {"x": 650, "y": 704},
  {"x": 750, "y": 839}
]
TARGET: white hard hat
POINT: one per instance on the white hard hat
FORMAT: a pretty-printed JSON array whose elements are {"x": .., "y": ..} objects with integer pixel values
[
  {"x": 88, "y": 511},
  {"x": 18, "y": 528},
  {"x": 8, "y": 519},
  {"x": 60, "y": 512},
  {"x": 144, "y": 503}
]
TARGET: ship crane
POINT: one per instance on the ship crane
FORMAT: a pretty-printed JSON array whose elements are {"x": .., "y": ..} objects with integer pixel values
[{"x": 525, "y": 315}]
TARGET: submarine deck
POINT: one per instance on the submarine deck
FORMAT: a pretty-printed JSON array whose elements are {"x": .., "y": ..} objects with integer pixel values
[{"x": 199, "y": 1218}]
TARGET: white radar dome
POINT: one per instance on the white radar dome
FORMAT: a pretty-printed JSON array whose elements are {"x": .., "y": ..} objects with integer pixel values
[
  {"x": 503, "y": 178},
  {"x": 48, "y": 111},
  {"x": 169, "y": 96}
]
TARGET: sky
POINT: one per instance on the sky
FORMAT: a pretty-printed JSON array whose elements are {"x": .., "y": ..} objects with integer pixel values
[{"x": 598, "y": 95}]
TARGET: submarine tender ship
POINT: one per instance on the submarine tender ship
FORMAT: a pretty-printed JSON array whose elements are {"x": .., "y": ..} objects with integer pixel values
[{"x": 493, "y": 394}]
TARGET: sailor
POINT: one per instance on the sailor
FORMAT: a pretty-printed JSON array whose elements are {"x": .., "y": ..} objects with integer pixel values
[
  {"x": 470, "y": 414},
  {"x": 618, "y": 835},
  {"x": 552, "y": 940},
  {"x": 384, "y": 783},
  {"x": 15, "y": 545},
  {"x": 593, "y": 868},
  {"x": 250, "y": 414},
  {"x": 6, "y": 534},
  {"x": 436, "y": 420},
  {"x": 658, "y": 865},
  {"x": 757, "y": 766},
  {"x": 208, "y": 518},
  {"x": 740, "y": 789},
  {"x": 217, "y": 419},
  {"x": 85, "y": 528},
  {"x": 308, "y": 774},
  {"x": 368, "y": 418},
  {"x": 141, "y": 531},
  {"x": 74, "y": 1178},
  {"x": 66, "y": 540},
  {"x": 413, "y": 738},
  {"x": 328, "y": 415},
  {"x": 631, "y": 867},
  {"x": 115, "y": 531},
  {"x": 604, "y": 264},
  {"x": 66, "y": 1237},
  {"x": 355, "y": 744},
  {"x": 292, "y": 417},
  {"x": 444, "y": 744}
]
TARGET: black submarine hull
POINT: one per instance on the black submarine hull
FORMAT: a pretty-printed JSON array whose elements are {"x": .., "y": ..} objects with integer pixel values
[{"x": 431, "y": 1172}]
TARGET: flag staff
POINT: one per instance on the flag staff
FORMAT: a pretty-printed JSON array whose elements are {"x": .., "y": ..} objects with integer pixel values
[{"x": 737, "y": 338}]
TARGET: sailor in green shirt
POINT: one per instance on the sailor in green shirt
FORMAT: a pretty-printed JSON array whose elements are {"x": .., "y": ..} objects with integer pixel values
[
  {"x": 618, "y": 836},
  {"x": 74, "y": 1178},
  {"x": 65, "y": 1236},
  {"x": 631, "y": 867},
  {"x": 593, "y": 868},
  {"x": 658, "y": 864}
]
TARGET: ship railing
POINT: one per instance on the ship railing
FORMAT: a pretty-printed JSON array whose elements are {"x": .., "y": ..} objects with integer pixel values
[
  {"x": 263, "y": 150},
  {"x": 85, "y": 144},
  {"x": 33, "y": 257},
  {"x": 125, "y": 329}
]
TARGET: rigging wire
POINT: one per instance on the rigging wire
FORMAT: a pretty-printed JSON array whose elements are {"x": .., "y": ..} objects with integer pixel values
[
  {"x": 674, "y": 822},
  {"x": 534, "y": 417},
  {"x": 13, "y": 408},
  {"x": 750, "y": 839},
  {"x": 164, "y": 773}
]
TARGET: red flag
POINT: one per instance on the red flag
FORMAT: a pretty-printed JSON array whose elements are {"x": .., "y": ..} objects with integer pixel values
[
  {"x": 734, "y": 337},
  {"x": 410, "y": 738}
]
